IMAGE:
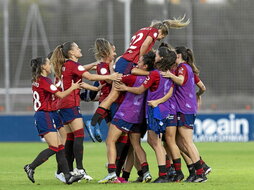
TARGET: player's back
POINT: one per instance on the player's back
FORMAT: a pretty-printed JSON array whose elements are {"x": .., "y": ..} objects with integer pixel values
[
  {"x": 132, "y": 53},
  {"x": 43, "y": 89}
]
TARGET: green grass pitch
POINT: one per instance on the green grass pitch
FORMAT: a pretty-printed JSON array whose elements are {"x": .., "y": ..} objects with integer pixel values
[{"x": 232, "y": 164}]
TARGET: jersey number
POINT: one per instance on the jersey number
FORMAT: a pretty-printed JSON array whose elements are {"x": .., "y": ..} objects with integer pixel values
[
  {"x": 135, "y": 39},
  {"x": 37, "y": 103}
]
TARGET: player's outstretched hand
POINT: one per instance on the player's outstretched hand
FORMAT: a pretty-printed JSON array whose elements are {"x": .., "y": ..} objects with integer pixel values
[
  {"x": 76, "y": 85},
  {"x": 167, "y": 74},
  {"x": 119, "y": 86},
  {"x": 116, "y": 77}
]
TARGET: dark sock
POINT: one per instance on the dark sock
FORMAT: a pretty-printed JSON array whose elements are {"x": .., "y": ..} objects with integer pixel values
[
  {"x": 126, "y": 175},
  {"x": 177, "y": 165},
  {"x": 111, "y": 168},
  {"x": 168, "y": 164},
  {"x": 198, "y": 168},
  {"x": 43, "y": 156},
  {"x": 162, "y": 170},
  {"x": 69, "y": 150},
  {"x": 99, "y": 115},
  {"x": 140, "y": 173},
  {"x": 61, "y": 160},
  {"x": 191, "y": 169},
  {"x": 78, "y": 147},
  {"x": 122, "y": 148},
  {"x": 144, "y": 167}
]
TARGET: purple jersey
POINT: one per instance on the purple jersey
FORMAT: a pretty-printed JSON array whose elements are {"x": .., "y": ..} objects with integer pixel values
[
  {"x": 185, "y": 95},
  {"x": 168, "y": 107},
  {"x": 132, "y": 107}
]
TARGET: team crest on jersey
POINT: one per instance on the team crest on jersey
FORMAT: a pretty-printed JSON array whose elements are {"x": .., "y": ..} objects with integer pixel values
[
  {"x": 81, "y": 68},
  {"x": 53, "y": 87},
  {"x": 103, "y": 71}
]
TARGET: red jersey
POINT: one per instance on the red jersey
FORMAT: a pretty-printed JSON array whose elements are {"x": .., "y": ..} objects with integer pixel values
[
  {"x": 129, "y": 80},
  {"x": 182, "y": 70},
  {"x": 152, "y": 81},
  {"x": 103, "y": 69},
  {"x": 71, "y": 71},
  {"x": 55, "y": 99},
  {"x": 43, "y": 89},
  {"x": 132, "y": 53}
]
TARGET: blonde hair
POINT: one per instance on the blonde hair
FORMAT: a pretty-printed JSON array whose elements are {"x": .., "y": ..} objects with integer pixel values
[
  {"x": 101, "y": 48},
  {"x": 175, "y": 23}
]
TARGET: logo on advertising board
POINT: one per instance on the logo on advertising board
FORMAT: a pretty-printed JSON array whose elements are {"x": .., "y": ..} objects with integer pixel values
[{"x": 226, "y": 127}]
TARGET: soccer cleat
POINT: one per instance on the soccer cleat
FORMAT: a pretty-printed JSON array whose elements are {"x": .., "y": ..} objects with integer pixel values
[
  {"x": 161, "y": 179},
  {"x": 89, "y": 129},
  {"x": 72, "y": 178},
  {"x": 190, "y": 178},
  {"x": 199, "y": 178},
  {"x": 60, "y": 177},
  {"x": 178, "y": 177},
  {"x": 146, "y": 177},
  {"x": 110, "y": 178},
  {"x": 206, "y": 169},
  {"x": 30, "y": 172},
  {"x": 97, "y": 133},
  {"x": 171, "y": 174},
  {"x": 82, "y": 172},
  {"x": 138, "y": 180},
  {"x": 122, "y": 180},
  {"x": 171, "y": 171}
]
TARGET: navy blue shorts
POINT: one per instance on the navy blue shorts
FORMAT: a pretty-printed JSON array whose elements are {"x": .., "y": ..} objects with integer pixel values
[
  {"x": 44, "y": 122},
  {"x": 123, "y": 66},
  {"x": 128, "y": 127},
  {"x": 171, "y": 120},
  {"x": 158, "y": 126},
  {"x": 186, "y": 120},
  {"x": 69, "y": 114},
  {"x": 57, "y": 119}
]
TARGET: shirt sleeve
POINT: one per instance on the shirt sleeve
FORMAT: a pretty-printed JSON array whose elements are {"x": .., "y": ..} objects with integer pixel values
[
  {"x": 196, "y": 79},
  {"x": 150, "y": 79},
  {"x": 49, "y": 86},
  {"x": 129, "y": 80},
  {"x": 78, "y": 69},
  {"x": 183, "y": 71}
]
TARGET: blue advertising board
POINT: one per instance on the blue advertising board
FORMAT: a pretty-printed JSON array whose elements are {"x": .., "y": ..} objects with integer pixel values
[{"x": 230, "y": 127}]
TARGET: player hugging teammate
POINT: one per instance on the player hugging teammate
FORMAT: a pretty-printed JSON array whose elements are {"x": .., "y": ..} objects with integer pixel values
[{"x": 155, "y": 93}]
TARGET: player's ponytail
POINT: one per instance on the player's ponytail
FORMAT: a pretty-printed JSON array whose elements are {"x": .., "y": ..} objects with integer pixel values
[
  {"x": 60, "y": 54},
  {"x": 166, "y": 25},
  {"x": 36, "y": 67},
  {"x": 188, "y": 56}
]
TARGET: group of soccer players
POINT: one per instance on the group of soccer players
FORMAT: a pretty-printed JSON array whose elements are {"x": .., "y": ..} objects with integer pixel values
[{"x": 159, "y": 97}]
